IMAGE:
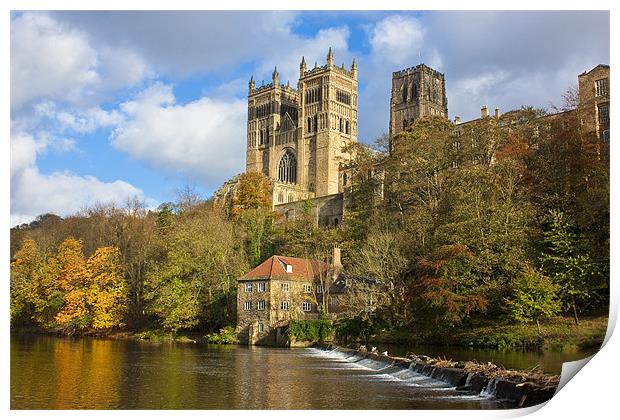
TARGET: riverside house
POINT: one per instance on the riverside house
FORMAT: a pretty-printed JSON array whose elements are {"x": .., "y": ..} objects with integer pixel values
[{"x": 283, "y": 288}]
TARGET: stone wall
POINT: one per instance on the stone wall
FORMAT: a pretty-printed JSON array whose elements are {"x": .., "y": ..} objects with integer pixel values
[{"x": 327, "y": 211}]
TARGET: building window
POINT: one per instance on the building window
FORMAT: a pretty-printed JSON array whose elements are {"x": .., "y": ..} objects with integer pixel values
[
  {"x": 262, "y": 286},
  {"x": 606, "y": 135},
  {"x": 284, "y": 305},
  {"x": 602, "y": 87},
  {"x": 280, "y": 198},
  {"x": 307, "y": 288},
  {"x": 261, "y": 327},
  {"x": 285, "y": 287},
  {"x": 247, "y": 305},
  {"x": 248, "y": 287},
  {"x": 454, "y": 164},
  {"x": 603, "y": 114},
  {"x": 319, "y": 288},
  {"x": 261, "y": 305},
  {"x": 334, "y": 300},
  {"x": 306, "y": 306},
  {"x": 287, "y": 168}
]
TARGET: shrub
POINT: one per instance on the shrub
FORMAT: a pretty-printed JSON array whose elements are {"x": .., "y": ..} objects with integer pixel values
[
  {"x": 310, "y": 330},
  {"x": 226, "y": 335}
]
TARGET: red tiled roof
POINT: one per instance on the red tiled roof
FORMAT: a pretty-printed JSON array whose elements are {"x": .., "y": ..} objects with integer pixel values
[{"x": 275, "y": 266}]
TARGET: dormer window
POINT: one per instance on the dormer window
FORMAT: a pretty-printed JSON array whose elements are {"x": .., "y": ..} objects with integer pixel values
[{"x": 289, "y": 268}]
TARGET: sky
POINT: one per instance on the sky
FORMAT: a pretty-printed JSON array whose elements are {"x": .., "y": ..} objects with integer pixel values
[{"x": 109, "y": 105}]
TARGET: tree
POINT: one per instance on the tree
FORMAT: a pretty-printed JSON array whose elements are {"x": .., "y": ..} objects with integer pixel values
[
  {"x": 26, "y": 268},
  {"x": 107, "y": 294},
  {"x": 534, "y": 296},
  {"x": 570, "y": 268},
  {"x": 253, "y": 192},
  {"x": 446, "y": 289}
]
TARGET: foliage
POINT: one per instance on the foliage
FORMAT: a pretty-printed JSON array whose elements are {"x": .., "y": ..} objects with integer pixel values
[
  {"x": 253, "y": 192},
  {"x": 534, "y": 296},
  {"x": 226, "y": 335},
  {"x": 315, "y": 330}
]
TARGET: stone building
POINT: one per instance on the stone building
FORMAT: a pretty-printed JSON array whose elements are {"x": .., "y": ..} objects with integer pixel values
[
  {"x": 296, "y": 136},
  {"x": 594, "y": 101},
  {"x": 285, "y": 288},
  {"x": 416, "y": 92}
]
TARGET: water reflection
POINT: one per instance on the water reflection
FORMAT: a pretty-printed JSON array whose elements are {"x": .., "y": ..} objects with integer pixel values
[{"x": 52, "y": 372}]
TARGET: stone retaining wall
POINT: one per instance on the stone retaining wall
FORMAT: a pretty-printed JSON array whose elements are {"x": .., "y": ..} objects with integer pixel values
[{"x": 524, "y": 394}]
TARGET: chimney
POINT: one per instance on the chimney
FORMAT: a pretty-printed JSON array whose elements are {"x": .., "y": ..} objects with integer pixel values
[
  {"x": 497, "y": 114},
  {"x": 484, "y": 112},
  {"x": 457, "y": 120},
  {"x": 336, "y": 263},
  {"x": 336, "y": 257}
]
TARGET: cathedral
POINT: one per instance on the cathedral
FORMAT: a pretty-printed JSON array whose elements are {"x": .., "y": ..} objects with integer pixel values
[{"x": 298, "y": 137}]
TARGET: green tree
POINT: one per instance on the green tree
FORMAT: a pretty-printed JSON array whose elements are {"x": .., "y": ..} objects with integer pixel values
[
  {"x": 569, "y": 267},
  {"x": 534, "y": 296}
]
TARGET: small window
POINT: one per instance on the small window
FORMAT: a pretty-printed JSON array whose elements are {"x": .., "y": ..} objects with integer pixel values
[
  {"x": 602, "y": 87},
  {"x": 307, "y": 288},
  {"x": 336, "y": 221},
  {"x": 319, "y": 288},
  {"x": 261, "y": 327},
  {"x": 262, "y": 286},
  {"x": 280, "y": 198},
  {"x": 284, "y": 305},
  {"x": 306, "y": 306},
  {"x": 603, "y": 114},
  {"x": 285, "y": 286},
  {"x": 289, "y": 268},
  {"x": 247, "y": 305},
  {"x": 334, "y": 300},
  {"x": 248, "y": 287},
  {"x": 261, "y": 305},
  {"x": 606, "y": 135}
]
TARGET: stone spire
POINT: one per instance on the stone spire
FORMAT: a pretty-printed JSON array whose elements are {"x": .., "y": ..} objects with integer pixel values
[
  {"x": 330, "y": 58},
  {"x": 275, "y": 76},
  {"x": 302, "y": 67},
  {"x": 354, "y": 69},
  {"x": 251, "y": 84}
]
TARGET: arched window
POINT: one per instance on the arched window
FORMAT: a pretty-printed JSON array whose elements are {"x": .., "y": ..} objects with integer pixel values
[
  {"x": 291, "y": 198},
  {"x": 347, "y": 128},
  {"x": 405, "y": 93},
  {"x": 280, "y": 197},
  {"x": 309, "y": 125},
  {"x": 261, "y": 140},
  {"x": 415, "y": 91},
  {"x": 287, "y": 168},
  {"x": 316, "y": 121}
]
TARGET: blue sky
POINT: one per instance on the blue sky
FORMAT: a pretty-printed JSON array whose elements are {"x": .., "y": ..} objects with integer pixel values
[{"x": 109, "y": 105}]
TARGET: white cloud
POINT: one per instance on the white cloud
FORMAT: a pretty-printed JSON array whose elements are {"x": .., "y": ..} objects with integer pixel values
[
  {"x": 54, "y": 61},
  {"x": 61, "y": 193},
  {"x": 48, "y": 60},
  {"x": 397, "y": 39},
  {"x": 204, "y": 139}
]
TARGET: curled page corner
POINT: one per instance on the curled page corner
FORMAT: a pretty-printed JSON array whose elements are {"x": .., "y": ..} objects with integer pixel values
[{"x": 570, "y": 369}]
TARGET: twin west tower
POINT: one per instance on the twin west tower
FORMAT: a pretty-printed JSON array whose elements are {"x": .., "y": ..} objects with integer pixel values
[{"x": 296, "y": 136}]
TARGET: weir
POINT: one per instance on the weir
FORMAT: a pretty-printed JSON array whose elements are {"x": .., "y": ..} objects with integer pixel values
[{"x": 469, "y": 385}]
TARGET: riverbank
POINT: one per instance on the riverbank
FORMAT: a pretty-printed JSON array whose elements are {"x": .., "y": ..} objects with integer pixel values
[{"x": 559, "y": 334}]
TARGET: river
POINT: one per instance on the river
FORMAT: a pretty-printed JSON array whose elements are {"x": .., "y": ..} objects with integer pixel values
[{"x": 87, "y": 373}]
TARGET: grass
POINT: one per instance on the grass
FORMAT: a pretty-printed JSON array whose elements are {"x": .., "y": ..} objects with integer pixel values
[{"x": 557, "y": 334}]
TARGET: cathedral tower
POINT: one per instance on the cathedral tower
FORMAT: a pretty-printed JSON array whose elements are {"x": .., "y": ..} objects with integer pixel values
[
  {"x": 327, "y": 122},
  {"x": 296, "y": 136},
  {"x": 416, "y": 92}
]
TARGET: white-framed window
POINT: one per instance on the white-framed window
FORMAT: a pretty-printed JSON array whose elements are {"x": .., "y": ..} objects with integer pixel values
[
  {"x": 334, "y": 300},
  {"x": 319, "y": 288},
  {"x": 306, "y": 306},
  {"x": 247, "y": 305},
  {"x": 261, "y": 327},
  {"x": 285, "y": 287},
  {"x": 307, "y": 288},
  {"x": 603, "y": 114},
  {"x": 261, "y": 305},
  {"x": 248, "y": 287},
  {"x": 602, "y": 87},
  {"x": 284, "y": 305},
  {"x": 262, "y": 286},
  {"x": 606, "y": 135}
]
